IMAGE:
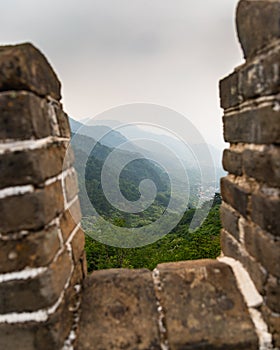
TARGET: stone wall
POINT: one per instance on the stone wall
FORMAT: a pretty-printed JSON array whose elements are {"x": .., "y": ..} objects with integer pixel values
[
  {"x": 42, "y": 260},
  {"x": 250, "y": 97},
  {"x": 46, "y": 299}
]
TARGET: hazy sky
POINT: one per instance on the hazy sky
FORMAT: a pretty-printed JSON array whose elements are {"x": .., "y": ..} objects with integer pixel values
[{"x": 113, "y": 52}]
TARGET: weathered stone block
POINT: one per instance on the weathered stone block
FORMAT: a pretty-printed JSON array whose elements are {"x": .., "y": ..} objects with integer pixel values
[
  {"x": 229, "y": 94},
  {"x": 71, "y": 185},
  {"x": 265, "y": 211},
  {"x": 273, "y": 321},
  {"x": 17, "y": 336},
  {"x": 199, "y": 299},
  {"x": 231, "y": 248},
  {"x": 48, "y": 335},
  {"x": 272, "y": 289},
  {"x": 232, "y": 162},
  {"x": 264, "y": 247},
  {"x": 264, "y": 165},
  {"x": 32, "y": 250},
  {"x": 70, "y": 219},
  {"x": 33, "y": 210},
  {"x": 23, "y": 116},
  {"x": 63, "y": 122},
  {"x": 36, "y": 293},
  {"x": 78, "y": 243},
  {"x": 260, "y": 126},
  {"x": 260, "y": 78},
  {"x": 33, "y": 166},
  {"x": 257, "y": 24},
  {"x": 119, "y": 311},
  {"x": 229, "y": 219},
  {"x": 235, "y": 195},
  {"x": 23, "y": 67},
  {"x": 252, "y": 80}
]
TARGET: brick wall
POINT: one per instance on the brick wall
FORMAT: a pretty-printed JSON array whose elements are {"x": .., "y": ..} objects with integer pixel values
[
  {"x": 42, "y": 262},
  {"x": 250, "y": 97}
]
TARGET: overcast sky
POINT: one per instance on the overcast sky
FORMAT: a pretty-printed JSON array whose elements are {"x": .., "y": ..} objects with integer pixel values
[{"x": 113, "y": 52}]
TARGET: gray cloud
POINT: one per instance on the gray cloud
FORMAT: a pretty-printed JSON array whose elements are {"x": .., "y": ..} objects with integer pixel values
[{"x": 111, "y": 52}]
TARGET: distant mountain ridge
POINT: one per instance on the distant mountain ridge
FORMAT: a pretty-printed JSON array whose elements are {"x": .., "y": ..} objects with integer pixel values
[
  {"x": 90, "y": 157},
  {"x": 103, "y": 134}
]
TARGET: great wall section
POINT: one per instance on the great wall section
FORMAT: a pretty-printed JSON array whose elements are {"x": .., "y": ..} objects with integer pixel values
[{"x": 48, "y": 302}]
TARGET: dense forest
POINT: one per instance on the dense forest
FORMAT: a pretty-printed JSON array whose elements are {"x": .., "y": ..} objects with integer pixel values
[{"x": 182, "y": 243}]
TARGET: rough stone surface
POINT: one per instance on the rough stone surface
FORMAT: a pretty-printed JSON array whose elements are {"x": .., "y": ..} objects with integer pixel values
[
  {"x": 260, "y": 126},
  {"x": 70, "y": 219},
  {"x": 71, "y": 185},
  {"x": 77, "y": 244},
  {"x": 265, "y": 212},
  {"x": 48, "y": 335},
  {"x": 272, "y": 289},
  {"x": 258, "y": 78},
  {"x": 23, "y": 116},
  {"x": 264, "y": 166},
  {"x": 32, "y": 250},
  {"x": 63, "y": 122},
  {"x": 273, "y": 321},
  {"x": 33, "y": 210},
  {"x": 229, "y": 219},
  {"x": 23, "y": 67},
  {"x": 232, "y": 162},
  {"x": 231, "y": 248},
  {"x": 199, "y": 299},
  {"x": 235, "y": 195},
  {"x": 119, "y": 311},
  {"x": 33, "y": 166},
  {"x": 257, "y": 24},
  {"x": 36, "y": 293},
  {"x": 229, "y": 91},
  {"x": 264, "y": 247},
  {"x": 261, "y": 77}
]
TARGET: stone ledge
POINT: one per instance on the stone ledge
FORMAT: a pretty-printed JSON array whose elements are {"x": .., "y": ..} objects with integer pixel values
[
  {"x": 204, "y": 308},
  {"x": 24, "y": 67},
  {"x": 119, "y": 311},
  {"x": 202, "y": 305}
]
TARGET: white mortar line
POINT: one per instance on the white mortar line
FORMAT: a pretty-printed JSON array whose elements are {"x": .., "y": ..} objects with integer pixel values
[
  {"x": 68, "y": 343},
  {"x": 40, "y": 315},
  {"x": 16, "y": 190},
  {"x": 253, "y": 300},
  {"x": 265, "y": 338},
  {"x": 52, "y": 180},
  {"x": 14, "y": 145},
  {"x": 23, "y": 274},
  {"x": 36, "y": 316},
  {"x": 245, "y": 284},
  {"x": 260, "y": 102},
  {"x": 22, "y": 189},
  {"x": 58, "y": 177},
  {"x": 69, "y": 204},
  {"x": 161, "y": 316},
  {"x": 72, "y": 234}
]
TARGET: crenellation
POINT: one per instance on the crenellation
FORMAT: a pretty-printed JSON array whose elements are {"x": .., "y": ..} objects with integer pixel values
[
  {"x": 41, "y": 272},
  {"x": 258, "y": 25},
  {"x": 23, "y": 67}
]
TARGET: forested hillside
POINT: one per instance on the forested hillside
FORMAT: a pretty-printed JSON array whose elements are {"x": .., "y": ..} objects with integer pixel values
[{"x": 181, "y": 243}]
